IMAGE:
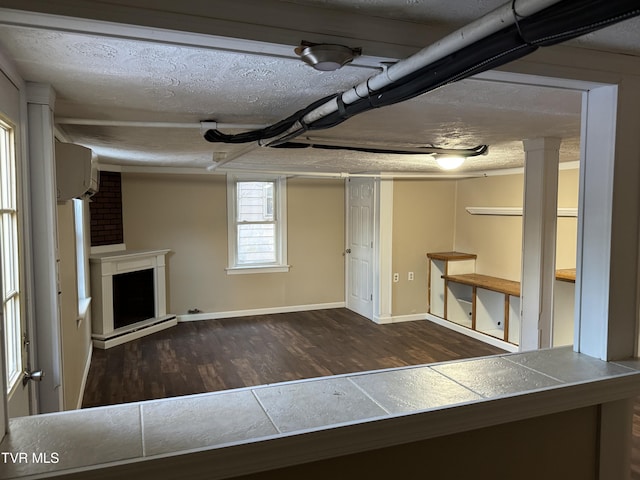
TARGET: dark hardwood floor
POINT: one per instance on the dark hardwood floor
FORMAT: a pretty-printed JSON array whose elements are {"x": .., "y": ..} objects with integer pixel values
[
  {"x": 206, "y": 356},
  {"x": 635, "y": 441}
]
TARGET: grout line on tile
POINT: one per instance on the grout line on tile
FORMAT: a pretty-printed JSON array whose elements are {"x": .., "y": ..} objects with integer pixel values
[
  {"x": 534, "y": 370},
  {"x": 255, "y": 395},
  {"x": 368, "y": 396},
  {"x": 459, "y": 383},
  {"x": 144, "y": 446},
  {"x": 625, "y": 366}
]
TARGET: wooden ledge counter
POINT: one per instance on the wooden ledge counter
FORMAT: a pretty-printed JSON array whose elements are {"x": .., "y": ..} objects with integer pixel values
[
  {"x": 566, "y": 275},
  {"x": 487, "y": 282}
]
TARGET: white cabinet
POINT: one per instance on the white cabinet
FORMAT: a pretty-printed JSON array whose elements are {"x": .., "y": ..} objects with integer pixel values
[
  {"x": 489, "y": 305},
  {"x": 460, "y": 304},
  {"x": 436, "y": 287},
  {"x": 513, "y": 336},
  {"x": 440, "y": 265},
  {"x": 490, "y": 312}
]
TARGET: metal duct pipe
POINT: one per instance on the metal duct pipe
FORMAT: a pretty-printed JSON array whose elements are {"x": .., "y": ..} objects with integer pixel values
[
  {"x": 487, "y": 25},
  {"x": 490, "y": 23},
  {"x": 508, "y": 33}
]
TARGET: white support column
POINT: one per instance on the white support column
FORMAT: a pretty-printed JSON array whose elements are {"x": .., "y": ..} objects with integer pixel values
[
  {"x": 609, "y": 211},
  {"x": 42, "y": 171},
  {"x": 607, "y": 252},
  {"x": 539, "y": 222}
]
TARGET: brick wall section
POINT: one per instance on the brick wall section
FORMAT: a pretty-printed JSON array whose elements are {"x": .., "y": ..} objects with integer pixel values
[{"x": 106, "y": 211}]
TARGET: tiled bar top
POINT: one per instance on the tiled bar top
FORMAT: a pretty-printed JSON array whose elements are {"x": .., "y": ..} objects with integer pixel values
[{"x": 270, "y": 416}]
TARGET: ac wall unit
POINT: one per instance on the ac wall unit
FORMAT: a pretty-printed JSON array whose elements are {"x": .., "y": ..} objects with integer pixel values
[{"x": 77, "y": 173}]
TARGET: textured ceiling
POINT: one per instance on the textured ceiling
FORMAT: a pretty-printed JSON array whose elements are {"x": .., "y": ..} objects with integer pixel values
[
  {"x": 623, "y": 38},
  {"x": 109, "y": 78}
]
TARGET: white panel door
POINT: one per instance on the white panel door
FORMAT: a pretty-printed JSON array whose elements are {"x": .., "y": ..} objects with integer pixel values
[{"x": 359, "y": 252}]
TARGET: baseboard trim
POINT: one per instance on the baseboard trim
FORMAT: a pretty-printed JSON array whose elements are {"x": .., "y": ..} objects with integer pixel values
[
  {"x": 382, "y": 319},
  {"x": 134, "y": 331},
  {"x": 509, "y": 347},
  {"x": 387, "y": 319},
  {"x": 408, "y": 318},
  {"x": 194, "y": 317},
  {"x": 85, "y": 376}
]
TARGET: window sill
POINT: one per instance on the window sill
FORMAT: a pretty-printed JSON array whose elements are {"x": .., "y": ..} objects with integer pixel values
[
  {"x": 256, "y": 269},
  {"x": 83, "y": 308}
]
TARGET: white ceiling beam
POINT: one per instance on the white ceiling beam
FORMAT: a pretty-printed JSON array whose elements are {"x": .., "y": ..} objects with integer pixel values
[
  {"x": 165, "y": 36},
  {"x": 248, "y": 21},
  {"x": 203, "y": 126}
]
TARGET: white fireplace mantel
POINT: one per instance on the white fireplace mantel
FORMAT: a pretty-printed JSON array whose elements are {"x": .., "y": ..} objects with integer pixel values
[{"x": 103, "y": 267}]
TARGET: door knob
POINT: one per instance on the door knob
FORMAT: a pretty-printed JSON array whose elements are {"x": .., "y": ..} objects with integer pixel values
[
  {"x": 36, "y": 376},
  {"x": 348, "y": 250}
]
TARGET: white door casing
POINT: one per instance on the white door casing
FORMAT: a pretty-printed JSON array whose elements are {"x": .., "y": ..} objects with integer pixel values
[
  {"x": 18, "y": 401},
  {"x": 40, "y": 100},
  {"x": 360, "y": 245},
  {"x": 3, "y": 397}
]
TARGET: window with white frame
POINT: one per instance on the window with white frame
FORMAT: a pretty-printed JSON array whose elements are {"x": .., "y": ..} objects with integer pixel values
[
  {"x": 256, "y": 224},
  {"x": 79, "y": 219},
  {"x": 11, "y": 294}
]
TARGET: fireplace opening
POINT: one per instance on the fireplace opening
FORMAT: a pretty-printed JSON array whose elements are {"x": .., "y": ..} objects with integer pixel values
[{"x": 133, "y": 297}]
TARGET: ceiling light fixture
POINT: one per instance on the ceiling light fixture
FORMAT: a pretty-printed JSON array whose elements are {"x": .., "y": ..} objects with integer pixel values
[
  {"x": 449, "y": 162},
  {"x": 326, "y": 57}
]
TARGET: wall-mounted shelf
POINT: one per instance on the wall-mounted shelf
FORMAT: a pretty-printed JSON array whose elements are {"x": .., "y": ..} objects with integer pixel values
[{"x": 515, "y": 211}]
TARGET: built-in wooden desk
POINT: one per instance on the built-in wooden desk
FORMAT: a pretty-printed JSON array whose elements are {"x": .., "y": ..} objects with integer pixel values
[
  {"x": 494, "y": 284},
  {"x": 503, "y": 285},
  {"x": 492, "y": 304}
]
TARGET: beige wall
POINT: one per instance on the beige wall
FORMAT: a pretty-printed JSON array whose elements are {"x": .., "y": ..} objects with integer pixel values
[
  {"x": 188, "y": 215},
  {"x": 430, "y": 216},
  {"x": 497, "y": 240},
  {"x": 423, "y": 221},
  {"x": 566, "y": 244},
  {"x": 76, "y": 337}
]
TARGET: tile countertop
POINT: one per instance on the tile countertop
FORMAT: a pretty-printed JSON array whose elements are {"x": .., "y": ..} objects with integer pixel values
[{"x": 304, "y": 415}]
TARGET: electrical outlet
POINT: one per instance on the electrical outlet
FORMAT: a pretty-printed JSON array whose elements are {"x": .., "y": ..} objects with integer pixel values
[
  {"x": 396, "y": 277},
  {"x": 410, "y": 276}
]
